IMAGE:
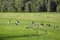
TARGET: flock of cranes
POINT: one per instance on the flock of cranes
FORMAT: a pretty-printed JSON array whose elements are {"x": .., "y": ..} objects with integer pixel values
[
  {"x": 39, "y": 25},
  {"x": 34, "y": 24}
]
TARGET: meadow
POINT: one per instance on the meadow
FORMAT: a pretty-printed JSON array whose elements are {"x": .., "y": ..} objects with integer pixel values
[{"x": 19, "y": 32}]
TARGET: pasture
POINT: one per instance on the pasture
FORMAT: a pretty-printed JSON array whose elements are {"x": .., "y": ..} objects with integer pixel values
[{"x": 19, "y": 32}]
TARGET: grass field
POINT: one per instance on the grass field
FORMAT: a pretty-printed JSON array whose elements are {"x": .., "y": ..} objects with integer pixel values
[{"x": 14, "y": 32}]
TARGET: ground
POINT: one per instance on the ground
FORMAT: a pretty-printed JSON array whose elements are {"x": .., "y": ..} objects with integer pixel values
[{"x": 19, "y": 32}]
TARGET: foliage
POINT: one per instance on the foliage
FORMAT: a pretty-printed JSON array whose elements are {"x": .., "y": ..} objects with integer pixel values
[{"x": 29, "y": 5}]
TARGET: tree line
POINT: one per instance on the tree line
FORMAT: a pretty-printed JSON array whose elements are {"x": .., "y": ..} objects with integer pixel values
[{"x": 29, "y": 5}]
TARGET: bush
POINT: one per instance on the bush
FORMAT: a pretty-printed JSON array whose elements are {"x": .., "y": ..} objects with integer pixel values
[{"x": 58, "y": 8}]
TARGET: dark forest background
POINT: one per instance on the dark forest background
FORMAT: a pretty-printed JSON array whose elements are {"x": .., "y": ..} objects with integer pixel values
[{"x": 29, "y": 5}]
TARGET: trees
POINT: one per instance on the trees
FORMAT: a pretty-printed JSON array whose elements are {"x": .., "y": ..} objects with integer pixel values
[
  {"x": 53, "y": 6},
  {"x": 43, "y": 7},
  {"x": 58, "y": 8},
  {"x": 29, "y": 5}
]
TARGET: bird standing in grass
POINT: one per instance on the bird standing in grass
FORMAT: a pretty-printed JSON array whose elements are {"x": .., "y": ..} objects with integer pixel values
[
  {"x": 55, "y": 27},
  {"x": 48, "y": 25},
  {"x": 41, "y": 25},
  {"x": 9, "y": 21},
  {"x": 28, "y": 27},
  {"x": 33, "y": 23},
  {"x": 17, "y": 22}
]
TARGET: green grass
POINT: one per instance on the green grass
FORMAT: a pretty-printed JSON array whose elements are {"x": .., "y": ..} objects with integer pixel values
[{"x": 13, "y": 32}]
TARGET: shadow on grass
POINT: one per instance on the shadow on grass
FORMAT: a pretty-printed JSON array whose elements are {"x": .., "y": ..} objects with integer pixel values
[{"x": 16, "y": 36}]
